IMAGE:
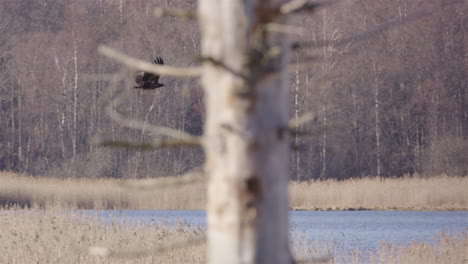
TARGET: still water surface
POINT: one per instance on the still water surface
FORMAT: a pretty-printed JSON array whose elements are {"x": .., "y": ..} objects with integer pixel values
[{"x": 346, "y": 230}]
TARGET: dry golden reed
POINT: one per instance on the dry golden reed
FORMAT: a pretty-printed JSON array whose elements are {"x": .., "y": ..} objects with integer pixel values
[
  {"x": 443, "y": 249},
  {"x": 408, "y": 193},
  {"x": 58, "y": 236},
  {"x": 50, "y": 236},
  {"x": 45, "y": 192},
  {"x": 448, "y": 248}
]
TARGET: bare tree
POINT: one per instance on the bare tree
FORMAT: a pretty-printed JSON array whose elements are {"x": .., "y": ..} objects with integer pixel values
[
  {"x": 422, "y": 84},
  {"x": 245, "y": 51},
  {"x": 246, "y": 140}
]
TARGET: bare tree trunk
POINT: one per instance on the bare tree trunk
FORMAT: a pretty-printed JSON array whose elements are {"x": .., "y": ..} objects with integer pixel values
[
  {"x": 356, "y": 132},
  {"x": 121, "y": 12},
  {"x": 246, "y": 144},
  {"x": 377, "y": 120},
  {"x": 323, "y": 152},
  {"x": 75, "y": 97},
  {"x": 20, "y": 129},
  {"x": 12, "y": 139},
  {"x": 296, "y": 117},
  {"x": 61, "y": 110},
  {"x": 329, "y": 52},
  {"x": 61, "y": 125}
]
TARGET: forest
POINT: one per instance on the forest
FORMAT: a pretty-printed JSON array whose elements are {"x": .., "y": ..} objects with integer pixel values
[{"x": 389, "y": 103}]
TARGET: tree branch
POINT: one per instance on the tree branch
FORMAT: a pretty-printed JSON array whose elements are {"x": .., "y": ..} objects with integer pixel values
[
  {"x": 297, "y": 122},
  {"x": 137, "y": 124},
  {"x": 286, "y": 29},
  {"x": 123, "y": 253},
  {"x": 222, "y": 65},
  {"x": 160, "y": 143},
  {"x": 196, "y": 175},
  {"x": 325, "y": 259},
  {"x": 175, "y": 12},
  {"x": 296, "y": 6},
  {"x": 146, "y": 66},
  {"x": 364, "y": 35}
]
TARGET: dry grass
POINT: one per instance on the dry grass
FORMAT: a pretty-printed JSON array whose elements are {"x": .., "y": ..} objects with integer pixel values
[
  {"x": 45, "y": 192},
  {"x": 447, "y": 249},
  {"x": 411, "y": 193},
  {"x": 33, "y": 236},
  {"x": 38, "y": 236}
]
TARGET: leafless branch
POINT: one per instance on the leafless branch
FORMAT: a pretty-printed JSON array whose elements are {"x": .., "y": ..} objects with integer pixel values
[
  {"x": 124, "y": 253},
  {"x": 222, "y": 65},
  {"x": 286, "y": 29},
  {"x": 316, "y": 260},
  {"x": 196, "y": 175},
  {"x": 175, "y": 12},
  {"x": 159, "y": 143},
  {"x": 111, "y": 110},
  {"x": 297, "y": 122},
  {"x": 296, "y": 6},
  {"x": 364, "y": 35},
  {"x": 269, "y": 55},
  {"x": 146, "y": 66}
]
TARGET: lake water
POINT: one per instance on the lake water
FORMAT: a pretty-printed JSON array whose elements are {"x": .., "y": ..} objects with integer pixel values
[{"x": 344, "y": 230}]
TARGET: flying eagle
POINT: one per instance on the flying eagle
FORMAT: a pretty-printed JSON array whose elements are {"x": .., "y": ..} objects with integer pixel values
[{"x": 149, "y": 81}]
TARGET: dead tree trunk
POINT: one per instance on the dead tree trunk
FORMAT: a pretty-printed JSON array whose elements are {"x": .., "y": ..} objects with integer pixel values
[{"x": 246, "y": 139}]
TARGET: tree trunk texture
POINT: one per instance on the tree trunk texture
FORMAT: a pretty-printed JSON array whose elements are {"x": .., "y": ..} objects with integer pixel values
[
  {"x": 377, "y": 117},
  {"x": 75, "y": 97},
  {"x": 246, "y": 143},
  {"x": 297, "y": 156}
]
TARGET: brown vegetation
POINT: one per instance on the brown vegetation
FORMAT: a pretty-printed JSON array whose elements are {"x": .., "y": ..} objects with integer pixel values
[
  {"x": 446, "y": 249},
  {"x": 95, "y": 194},
  {"x": 35, "y": 236},
  {"x": 410, "y": 193},
  {"x": 387, "y": 105}
]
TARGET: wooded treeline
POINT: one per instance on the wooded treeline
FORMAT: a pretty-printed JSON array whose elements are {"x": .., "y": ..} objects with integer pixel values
[{"x": 387, "y": 104}]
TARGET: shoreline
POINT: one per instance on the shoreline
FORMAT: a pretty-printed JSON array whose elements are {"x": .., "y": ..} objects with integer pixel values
[
  {"x": 54, "y": 237},
  {"x": 440, "y": 193},
  {"x": 382, "y": 210}
]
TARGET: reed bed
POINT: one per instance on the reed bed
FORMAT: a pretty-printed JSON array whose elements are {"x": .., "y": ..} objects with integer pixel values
[
  {"x": 447, "y": 248},
  {"x": 38, "y": 236},
  {"x": 58, "y": 236},
  {"x": 409, "y": 193},
  {"x": 82, "y": 193},
  {"x": 444, "y": 248}
]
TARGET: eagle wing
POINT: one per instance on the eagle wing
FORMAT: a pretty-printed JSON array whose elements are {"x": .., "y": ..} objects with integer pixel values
[
  {"x": 159, "y": 61},
  {"x": 147, "y": 80},
  {"x": 151, "y": 77}
]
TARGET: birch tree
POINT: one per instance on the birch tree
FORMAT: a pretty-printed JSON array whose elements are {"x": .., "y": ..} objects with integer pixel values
[
  {"x": 244, "y": 54},
  {"x": 377, "y": 118},
  {"x": 246, "y": 144}
]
